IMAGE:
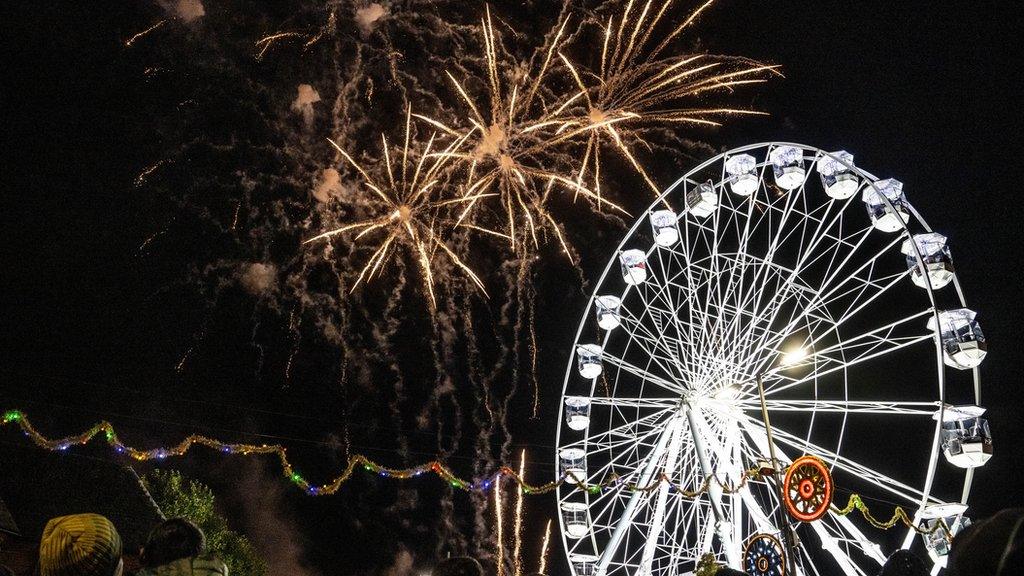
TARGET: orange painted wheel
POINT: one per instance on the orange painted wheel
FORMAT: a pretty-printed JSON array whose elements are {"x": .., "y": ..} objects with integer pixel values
[{"x": 807, "y": 489}]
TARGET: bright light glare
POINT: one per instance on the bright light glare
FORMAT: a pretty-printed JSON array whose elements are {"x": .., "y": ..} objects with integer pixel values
[
  {"x": 727, "y": 393},
  {"x": 794, "y": 356}
]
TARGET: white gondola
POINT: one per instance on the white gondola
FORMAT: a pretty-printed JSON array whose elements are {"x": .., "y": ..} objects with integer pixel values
[
  {"x": 574, "y": 519},
  {"x": 742, "y": 171},
  {"x": 966, "y": 438},
  {"x": 882, "y": 216},
  {"x": 938, "y": 262},
  {"x": 634, "y": 266},
  {"x": 589, "y": 358},
  {"x": 583, "y": 564},
  {"x": 577, "y": 412},
  {"x": 574, "y": 464},
  {"x": 788, "y": 166},
  {"x": 608, "y": 312},
  {"x": 663, "y": 223},
  {"x": 963, "y": 343},
  {"x": 702, "y": 200},
  {"x": 839, "y": 180},
  {"x": 936, "y": 540}
]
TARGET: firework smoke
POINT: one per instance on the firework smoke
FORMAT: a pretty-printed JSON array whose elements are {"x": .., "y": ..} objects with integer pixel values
[{"x": 397, "y": 172}]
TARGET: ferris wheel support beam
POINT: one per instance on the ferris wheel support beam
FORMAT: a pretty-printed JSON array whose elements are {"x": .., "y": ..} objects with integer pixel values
[
  {"x": 714, "y": 489},
  {"x": 634, "y": 500},
  {"x": 658, "y": 522}
]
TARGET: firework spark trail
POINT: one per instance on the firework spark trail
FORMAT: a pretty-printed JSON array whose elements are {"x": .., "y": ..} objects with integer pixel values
[
  {"x": 384, "y": 339},
  {"x": 343, "y": 389},
  {"x": 484, "y": 459},
  {"x": 518, "y": 528},
  {"x": 543, "y": 560},
  {"x": 128, "y": 43},
  {"x": 141, "y": 178},
  {"x": 444, "y": 356}
]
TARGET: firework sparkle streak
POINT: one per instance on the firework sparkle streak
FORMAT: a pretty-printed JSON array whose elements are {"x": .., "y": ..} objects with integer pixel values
[
  {"x": 543, "y": 561},
  {"x": 518, "y": 546},
  {"x": 499, "y": 516}
]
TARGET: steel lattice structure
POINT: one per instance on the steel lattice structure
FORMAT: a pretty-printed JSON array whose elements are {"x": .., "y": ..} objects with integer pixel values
[{"x": 781, "y": 261}]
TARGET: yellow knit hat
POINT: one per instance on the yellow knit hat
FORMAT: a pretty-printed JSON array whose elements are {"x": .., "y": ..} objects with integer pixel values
[{"x": 79, "y": 545}]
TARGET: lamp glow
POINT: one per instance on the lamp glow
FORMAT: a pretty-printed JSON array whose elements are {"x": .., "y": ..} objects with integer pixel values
[{"x": 794, "y": 356}]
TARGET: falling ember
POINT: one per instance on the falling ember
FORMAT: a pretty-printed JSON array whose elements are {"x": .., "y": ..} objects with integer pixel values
[
  {"x": 543, "y": 563},
  {"x": 518, "y": 546}
]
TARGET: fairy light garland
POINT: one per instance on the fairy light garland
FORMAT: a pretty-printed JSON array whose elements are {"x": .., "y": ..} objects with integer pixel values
[
  {"x": 436, "y": 467},
  {"x": 356, "y": 462},
  {"x": 899, "y": 516}
]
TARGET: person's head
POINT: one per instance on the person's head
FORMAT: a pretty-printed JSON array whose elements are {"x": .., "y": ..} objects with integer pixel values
[
  {"x": 80, "y": 545},
  {"x": 172, "y": 540},
  {"x": 994, "y": 546},
  {"x": 458, "y": 566},
  {"x": 903, "y": 563}
]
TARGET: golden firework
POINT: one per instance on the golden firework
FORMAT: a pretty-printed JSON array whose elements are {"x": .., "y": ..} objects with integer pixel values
[
  {"x": 410, "y": 212},
  {"x": 514, "y": 135},
  {"x": 637, "y": 88}
]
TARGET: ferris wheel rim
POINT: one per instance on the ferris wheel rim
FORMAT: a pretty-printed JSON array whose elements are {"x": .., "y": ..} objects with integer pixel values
[{"x": 871, "y": 180}]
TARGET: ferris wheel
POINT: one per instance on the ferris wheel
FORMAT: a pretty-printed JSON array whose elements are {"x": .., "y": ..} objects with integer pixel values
[{"x": 784, "y": 268}]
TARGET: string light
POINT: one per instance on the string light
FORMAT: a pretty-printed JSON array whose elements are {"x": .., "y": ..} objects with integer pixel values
[
  {"x": 357, "y": 461},
  {"x": 899, "y": 515}
]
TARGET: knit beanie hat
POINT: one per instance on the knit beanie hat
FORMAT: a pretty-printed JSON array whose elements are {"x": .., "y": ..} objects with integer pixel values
[{"x": 79, "y": 545}]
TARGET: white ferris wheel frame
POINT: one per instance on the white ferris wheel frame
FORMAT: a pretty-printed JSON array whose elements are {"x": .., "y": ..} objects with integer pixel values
[{"x": 669, "y": 448}]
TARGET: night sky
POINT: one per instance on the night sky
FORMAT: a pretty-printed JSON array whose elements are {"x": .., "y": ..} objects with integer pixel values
[{"x": 94, "y": 324}]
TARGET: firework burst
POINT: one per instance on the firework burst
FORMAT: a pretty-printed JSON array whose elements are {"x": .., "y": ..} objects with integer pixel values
[
  {"x": 636, "y": 88},
  {"x": 410, "y": 211},
  {"x": 515, "y": 137}
]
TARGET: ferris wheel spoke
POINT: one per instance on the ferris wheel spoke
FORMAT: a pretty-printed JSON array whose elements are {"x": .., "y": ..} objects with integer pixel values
[
  {"x": 860, "y": 344},
  {"x": 855, "y": 536},
  {"x": 675, "y": 302},
  {"x": 617, "y": 401},
  {"x": 658, "y": 521},
  {"x": 634, "y": 431},
  {"x": 828, "y": 295},
  {"x": 649, "y": 468},
  {"x": 824, "y": 292},
  {"x": 845, "y": 406},
  {"x": 911, "y": 494},
  {"x": 658, "y": 339},
  {"x": 780, "y": 382},
  {"x": 644, "y": 375}
]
